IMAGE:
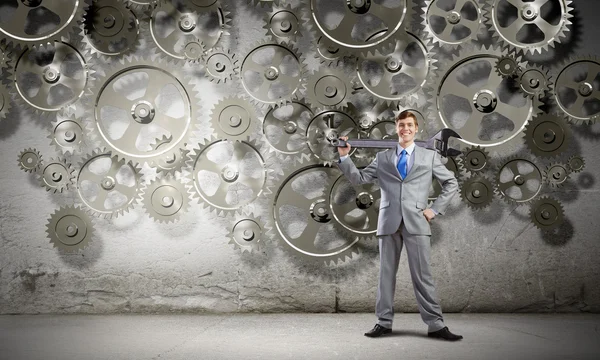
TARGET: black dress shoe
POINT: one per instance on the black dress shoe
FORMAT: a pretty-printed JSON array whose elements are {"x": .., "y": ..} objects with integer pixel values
[
  {"x": 377, "y": 331},
  {"x": 444, "y": 334}
]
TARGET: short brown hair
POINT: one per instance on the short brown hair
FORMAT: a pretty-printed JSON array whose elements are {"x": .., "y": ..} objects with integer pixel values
[{"x": 405, "y": 115}]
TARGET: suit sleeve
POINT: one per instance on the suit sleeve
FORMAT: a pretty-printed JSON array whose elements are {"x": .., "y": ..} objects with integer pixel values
[
  {"x": 356, "y": 176},
  {"x": 448, "y": 182}
]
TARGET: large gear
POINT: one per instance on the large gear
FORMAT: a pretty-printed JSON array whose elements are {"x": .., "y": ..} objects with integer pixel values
[
  {"x": 399, "y": 72},
  {"x": 234, "y": 118},
  {"x": 111, "y": 28},
  {"x": 138, "y": 101},
  {"x": 519, "y": 180},
  {"x": 303, "y": 216},
  {"x": 329, "y": 87},
  {"x": 54, "y": 20},
  {"x": 534, "y": 81},
  {"x": 483, "y": 113},
  {"x": 576, "y": 163},
  {"x": 67, "y": 134},
  {"x": 547, "y": 135},
  {"x": 220, "y": 65},
  {"x": 273, "y": 74},
  {"x": 60, "y": 73},
  {"x": 475, "y": 159},
  {"x": 358, "y": 15},
  {"x": 447, "y": 26},
  {"x": 249, "y": 233},
  {"x": 546, "y": 213},
  {"x": 30, "y": 160},
  {"x": 5, "y": 103},
  {"x": 556, "y": 174},
  {"x": 284, "y": 128},
  {"x": 327, "y": 125},
  {"x": 166, "y": 199},
  {"x": 70, "y": 229},
  {"x": 576, "y": 92},
  {"x": 227, "y": 175},
  {"x": 107, "y": 186},
  {"x": 477, "y": 192},
  {"x": 283, "y": 23},
  {"x": 171, "y": 163},
  {"x": 355, "y": 208},
  {"x": 56, "y": 175},
  {"x": 173, "y": 24},
  {"x": 529, "y": 15}
]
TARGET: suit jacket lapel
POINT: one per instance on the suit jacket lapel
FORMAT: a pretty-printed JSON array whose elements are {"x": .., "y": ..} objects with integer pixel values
[{"x": 391, "y": 158}]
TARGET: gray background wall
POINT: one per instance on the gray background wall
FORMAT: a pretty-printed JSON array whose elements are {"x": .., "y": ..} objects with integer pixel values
[{"x": 491, "y": 260}]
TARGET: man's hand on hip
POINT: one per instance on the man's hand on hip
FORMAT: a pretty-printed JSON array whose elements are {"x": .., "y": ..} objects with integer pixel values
[
  {"x": 429, "y": 214},
  {"x": 344, "y": 150}
]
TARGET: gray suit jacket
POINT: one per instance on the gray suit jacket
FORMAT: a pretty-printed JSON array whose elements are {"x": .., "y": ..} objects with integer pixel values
[{"x": 405, "y": 199}]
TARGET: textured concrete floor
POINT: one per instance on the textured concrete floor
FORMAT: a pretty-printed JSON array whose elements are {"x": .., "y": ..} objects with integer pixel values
[{"x": 295, "y": 336}]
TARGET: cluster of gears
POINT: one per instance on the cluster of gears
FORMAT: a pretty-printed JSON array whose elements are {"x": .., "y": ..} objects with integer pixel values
[{"x": 144, "y": 110}]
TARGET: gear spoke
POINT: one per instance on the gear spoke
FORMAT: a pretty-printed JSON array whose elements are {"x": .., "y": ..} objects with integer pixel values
[
  {"x": 89, "y": 176},
  {"x": 460, "y": 4},
  {"x": 592, "y": 72},
  {"x": 387, "y": 15},
  {"x": 100, "y": 199},
  {"x": 345, "y": 26},
  {"x": 578, "y": 104},
  {"x": 171, "y": 124},
  {"x": 295, "y": 199},
  {"x": 123, "y": 189},
  {"x": 470, "y": 131},
  {"x": 494, "y": 80},
  {"x": 19, "y": 17},
  {"x": 513, "y": 29},
  {"x": 41, "y": 98},
  {"x": 210, "y": 166},
  {"x": 71, "y": 83},
  {"x": 154, "y": 87},
  {"x": 547, "y": 28},
  {"x": 568, "y": 82},
  {"x": 455, "y": 87},
  {"x": 253, "y": 183},
  {"x": 540, "y": 3},
  {"x": 114, "y": 99},
  {"x": 306, "y": 240},
  {"x": 447, "y": 31},
  {"x": 505, "y": 110},
  {"x": 435, "y": 10},
  {"x": 221, "y": 194},
  {"x": 516, "y": 3},
  {"x": 129, "y": 136}
]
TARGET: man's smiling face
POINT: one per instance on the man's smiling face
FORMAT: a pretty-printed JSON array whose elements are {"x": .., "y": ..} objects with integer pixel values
[{"x": 406, "y": 129}]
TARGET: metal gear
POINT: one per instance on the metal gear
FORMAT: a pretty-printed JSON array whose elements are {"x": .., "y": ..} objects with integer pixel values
[
  {"x": 107, "y": 186},
  {"x": 329, "y": 87},
  {"x": 285, "y": 128},
  {"x": 137, "y": 101},
  {"x": 54, "y": 19},
  {"x": 477, "y": 192},
  {"x": 327, "y": 125},
  {"x": 265, "y": 2},
  {"x": 534, "y": 81},
  {"x": 483, "y": 113},
  {"x": 193, "y": 51},
  {"x": 546, "y": 213},
  {"x": 359, "y": 15},
  {"x": 576, "y": 163},
  {"x": 329, "y": 53},
  {"x": 576, "y": 92},
  {"x": 111, "y": 28},
  {"x": 556, "y": 174},
  {"x": 399, "y": 72},
  {"x": 56, "y": 175},
  {"x": 67, "y": 134},
  {"x": 248, "y": 233},
  {"x": 220, "y": 65},
  {"x": 273, "y": 74},
  {"x": 234, "y": 118},
  {"x": 169, "y": 164},
  {"x": 30, "y": 160},
  {"x": 519, "y": 180},
  {"x": 173, "y": 24},
  {"x": 165, "y": 200},
  {"x": 475, "y": 159},
  {"x": 142, "y": 4},
  {"x": 547, "y": 135},
  {"x": 529, "y": 15},
  {"x": 228, "y": 175},
  {"x": 452, "y": 27},
  {"x": 70, "y": 229},
  {"x": 283, "y": 23},
  {"x": 303, "y": 216},
  {"x": 5, "y": 103},
  {"x": 5, "y": 57},
  {"x": 355, "y": 208},
  {"x": 508, "y": 66},
  {"x": 60, "y": 73}
]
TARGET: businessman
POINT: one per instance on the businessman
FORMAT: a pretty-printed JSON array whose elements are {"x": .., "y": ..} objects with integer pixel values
[{"x": 405, "y": 174}]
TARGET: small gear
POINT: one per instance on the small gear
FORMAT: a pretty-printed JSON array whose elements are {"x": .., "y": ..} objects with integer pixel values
[
  {"x": 328, "y": 53},
  {"x": 234, "y": 118},
  {"x": 576, "y": 91},
  {"x": 273, "y": 74},
  {"x": 475, "y": 159},
  {"x": 169, "y": 164},
  {"x": 193, "y": 51},
  {"x": 111, "y": 28},
  {"x": 451, "y": 27},
  {"x": 220, "y": 65},
  {"x": 166, "y": 199},
  {"x": 107, "y": 186},
  {"x": 5, "y": 103},
  {"x": 283, "y": 24},
  {"x": 534, "y": 81},
  {"x": 329, "y": 87},
  {"x": 67, "y": 134},
  {"x": 228, "y": 175},
  {"x": 508, "y": 66},
  {"x": 546, "y": 213},
  {"x": 529, "y": 16},
  {"x": 547, "y": 135},
  {"x": 576, "y": 163},
  {"x": 30, "y": 160},
  {"x": 557, "y": 174},
  {"x": 70, "y": 229},
  {"x": 249, "y": 233},
  {"x": 54, "y": 20},
  {"x": 57, "y": 175},
  {"x": 477, "y": 192},
  {"x": 519, "y": 180},
  {"x": 326, "y": 126}
]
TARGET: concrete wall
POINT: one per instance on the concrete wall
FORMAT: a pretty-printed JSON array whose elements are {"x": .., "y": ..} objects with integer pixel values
[{"x": 493, "y": 260}]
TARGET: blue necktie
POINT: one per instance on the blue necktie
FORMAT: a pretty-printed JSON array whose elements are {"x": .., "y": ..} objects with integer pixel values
[{"x": 402, "y": 164}]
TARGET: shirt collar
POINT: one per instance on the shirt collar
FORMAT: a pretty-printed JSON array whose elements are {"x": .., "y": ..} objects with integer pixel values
[{"x": 409, "y": 150}]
